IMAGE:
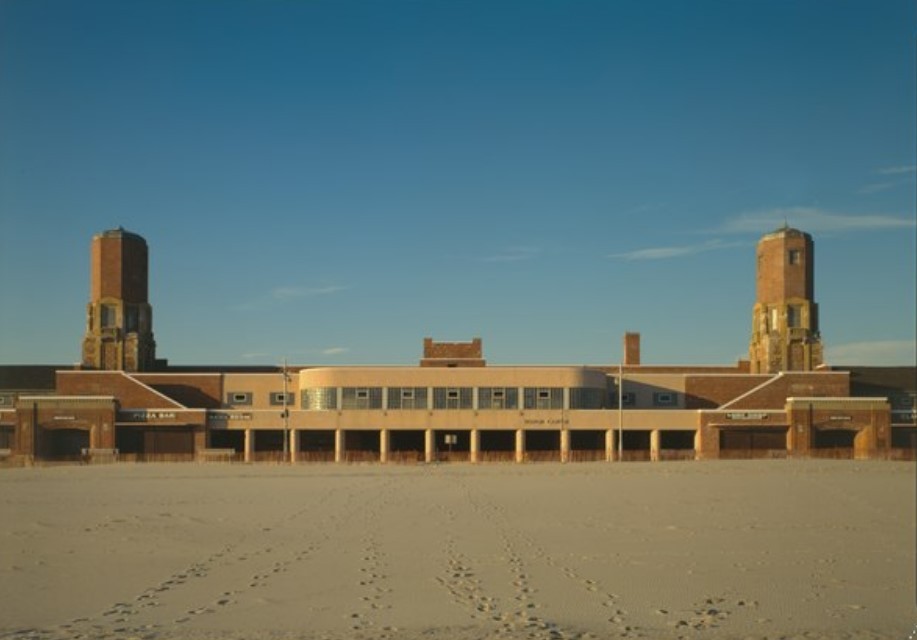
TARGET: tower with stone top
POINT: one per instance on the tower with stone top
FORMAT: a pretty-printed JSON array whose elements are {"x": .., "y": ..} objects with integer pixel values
[
  {"x": 785, "y": 334},
  {"x": 119, "y": 325}
]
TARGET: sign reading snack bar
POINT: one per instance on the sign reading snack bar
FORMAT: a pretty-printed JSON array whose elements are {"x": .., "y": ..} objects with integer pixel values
[
  {"x": 747, "y": 415},
  {"x": 228, "y": 415}
]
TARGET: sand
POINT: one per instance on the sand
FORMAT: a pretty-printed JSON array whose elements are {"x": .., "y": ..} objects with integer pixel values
[{"x": 720, "y": 549}]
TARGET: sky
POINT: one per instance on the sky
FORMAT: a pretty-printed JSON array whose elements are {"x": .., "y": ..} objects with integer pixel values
[{"x": 331, "y": 181}]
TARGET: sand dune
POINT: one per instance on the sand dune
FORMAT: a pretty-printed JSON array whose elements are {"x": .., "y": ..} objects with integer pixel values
[{"x": 756, "y": 549}]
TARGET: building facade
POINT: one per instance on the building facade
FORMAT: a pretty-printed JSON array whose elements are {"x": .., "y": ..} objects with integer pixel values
[{"x": 453, "y": 405}]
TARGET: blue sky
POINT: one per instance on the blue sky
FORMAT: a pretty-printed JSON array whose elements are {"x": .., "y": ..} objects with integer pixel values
[{"x": 331, "y": 181}]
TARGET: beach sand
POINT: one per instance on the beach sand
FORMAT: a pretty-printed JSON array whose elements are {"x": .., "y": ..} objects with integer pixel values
[{"x": 719, "y": 549}]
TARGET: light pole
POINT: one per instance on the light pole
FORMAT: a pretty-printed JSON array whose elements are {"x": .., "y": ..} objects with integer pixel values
[
  {"x": 286, "y": 415},
  {"x": 620, "y": 411}
]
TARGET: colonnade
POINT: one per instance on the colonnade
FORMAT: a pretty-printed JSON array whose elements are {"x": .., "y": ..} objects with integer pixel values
[{"x": 611, "y": 445}]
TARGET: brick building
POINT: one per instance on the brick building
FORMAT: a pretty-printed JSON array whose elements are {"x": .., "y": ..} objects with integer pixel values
[{"x": 453, "y": 405}]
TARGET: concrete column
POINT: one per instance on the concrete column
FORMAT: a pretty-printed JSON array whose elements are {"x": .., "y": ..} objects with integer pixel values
[
  {"x": 249, "y": 445},
  {"x": 294, "y": 444},
  {"x": 339, "y": 445},
  {"x": 384, "y": 440},
  {"x": 520, "y": 445},
  {"x": 654, "y": 445},
  {"x": 428, "y": 446},
  {"x": 565, "y": 445},
  {"x": 475, "y": 445},
  {"x": 609, "y": 445}
]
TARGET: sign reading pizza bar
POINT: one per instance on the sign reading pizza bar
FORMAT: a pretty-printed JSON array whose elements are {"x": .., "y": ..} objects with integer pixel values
[{"x": 144, "y": 415}]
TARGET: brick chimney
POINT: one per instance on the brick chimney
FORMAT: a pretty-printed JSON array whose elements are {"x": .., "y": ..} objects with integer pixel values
[{"x": 632, "y": 348}]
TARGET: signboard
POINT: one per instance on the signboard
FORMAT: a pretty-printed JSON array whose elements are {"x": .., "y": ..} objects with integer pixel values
[
  {"x": 747, "y": 415},
  {"x": 143, "y": 415},
  {"x": 228, "y": 415},
  {"x": 534, "y": 421}
]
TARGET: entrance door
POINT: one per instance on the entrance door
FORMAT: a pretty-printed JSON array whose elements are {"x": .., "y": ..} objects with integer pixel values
[{"x": 64, "y": 444}]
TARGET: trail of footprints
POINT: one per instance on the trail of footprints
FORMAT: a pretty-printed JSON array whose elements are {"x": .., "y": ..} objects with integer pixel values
[
  {"x": 522, "y": 615},
  {"x": 119, "y": 619},
  {"x": 372, "y": 585}
]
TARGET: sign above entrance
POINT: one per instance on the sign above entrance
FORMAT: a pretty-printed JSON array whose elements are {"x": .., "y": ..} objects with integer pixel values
[
  {"x": 143, "y": 415},
  {"x": 747, "y": 415},
  {"x": 228, "y": 415}
]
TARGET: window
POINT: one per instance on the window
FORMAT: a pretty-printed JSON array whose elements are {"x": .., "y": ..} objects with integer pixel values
[
  {"x": 794, "y": 316},
  {"x": 665, "y": 399},
  {"x": 544, "y": 398},
  {"x": 361, "y": 398},
  {"x": 628, "y": 399},
  {"x": 109, "y": 316},
  {"x": 407, "y": 397},
  {"x": 498, "y": 398},
  {"x": 239, "y": 397},
  {"x": 279, "y": 398},
  {"x": 794, "y": 256},
  {"x": 131, "y": 319},
  {"x": 320, "y": 399},
  {"x": 587, "y": 398},
  {"x": 452, "y": 398}
]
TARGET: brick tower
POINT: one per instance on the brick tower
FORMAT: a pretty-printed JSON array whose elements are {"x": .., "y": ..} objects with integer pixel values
[
  {"x": 785, "y": 334},
  {"x": 119, "y": 326}
]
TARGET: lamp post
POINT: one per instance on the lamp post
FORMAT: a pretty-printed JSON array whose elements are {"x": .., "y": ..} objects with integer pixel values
[
  {"x": 620, "y": 411},
  {"x": 286, "y": 415}
]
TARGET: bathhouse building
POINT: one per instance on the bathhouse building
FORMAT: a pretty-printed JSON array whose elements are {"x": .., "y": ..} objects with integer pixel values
[{"x": 122, "y": 403}]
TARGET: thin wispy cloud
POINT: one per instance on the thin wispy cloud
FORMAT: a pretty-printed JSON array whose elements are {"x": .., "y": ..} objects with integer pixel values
[
  {"x": 811, "y": 219},
  {"x": 876, "y": 187},
  {"x": 513, "y": 254},
  {"x": 665, "y": 253},
  {"x": 886, "y": 353},
  {"x": 897, "y": 171},
  {"x": 902, "y": 175},
  {"x": 334, "y": 351},
  {"x": 292, "y": 292},
  {"x": 285, "y": 294},
  {"x": 255, "y": 355}
]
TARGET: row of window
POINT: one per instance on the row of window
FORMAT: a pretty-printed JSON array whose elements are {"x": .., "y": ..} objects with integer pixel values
[
  {"x": 245, "y": 398},
  {"x": 328, "y": 398},
  {"x": 450, "y": 398}
]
